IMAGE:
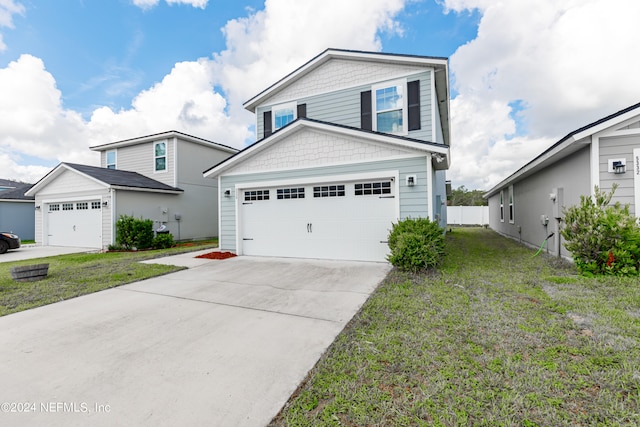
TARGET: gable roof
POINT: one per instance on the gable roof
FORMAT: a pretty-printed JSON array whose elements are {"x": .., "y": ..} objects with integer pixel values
[
  {"x": 113, "y": 178},
  {"x": 163, "y": 135},
  {"x": 440, "y": 64},
  {"x": 440, "y": 152},
  {"x": 569, "y": 144}
]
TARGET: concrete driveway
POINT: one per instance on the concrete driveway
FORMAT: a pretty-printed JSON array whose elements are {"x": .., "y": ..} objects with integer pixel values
[
  {"x": 32, "y": 251},
  {"x": 224, "y": 343}
]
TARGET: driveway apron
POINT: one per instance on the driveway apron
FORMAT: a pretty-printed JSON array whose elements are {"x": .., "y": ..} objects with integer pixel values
[{"x": 224, "y": 343}]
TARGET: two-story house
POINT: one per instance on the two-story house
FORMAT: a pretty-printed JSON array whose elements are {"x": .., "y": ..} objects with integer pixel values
[
  {"x": 157, "y": 177},
  {"x": 348, "y": 144}
]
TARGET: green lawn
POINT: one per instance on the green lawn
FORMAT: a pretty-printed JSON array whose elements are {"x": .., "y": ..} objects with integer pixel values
[
  {"x": 78, "y": 274},
  {"x": 495, "y": 337}
]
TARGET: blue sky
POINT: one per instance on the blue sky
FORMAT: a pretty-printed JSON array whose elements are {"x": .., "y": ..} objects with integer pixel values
[
  {"x": 76, "y": 73},
  {"x": 106, "y": 52}
]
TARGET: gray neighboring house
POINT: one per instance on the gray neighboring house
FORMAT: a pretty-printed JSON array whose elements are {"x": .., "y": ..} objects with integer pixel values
[
  {"x": 527, "y": 205},
  {"x": 348, "y": 144},
  {"x": 157, "y": 177},
  {"x": 16, "y": 209}
]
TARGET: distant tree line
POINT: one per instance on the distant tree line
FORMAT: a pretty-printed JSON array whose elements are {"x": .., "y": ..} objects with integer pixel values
[{"x": 463, "y": 197}]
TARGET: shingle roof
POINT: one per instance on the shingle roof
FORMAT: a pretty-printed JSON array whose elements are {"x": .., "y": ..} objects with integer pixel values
[
  {"x": 121, "y": 178},
  {"x": 302, "y": 121},
  {"x": 16, "y": 193},
  {"x": 579, "y": 133}
]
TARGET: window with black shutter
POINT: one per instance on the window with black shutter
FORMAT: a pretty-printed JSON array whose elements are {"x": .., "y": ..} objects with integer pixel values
[
  {"x": 266, "y": 118},
  {"x": 302, "y": 110},
  {"x": 365, "y": 111},
  {"x": 413, "y": 104}
]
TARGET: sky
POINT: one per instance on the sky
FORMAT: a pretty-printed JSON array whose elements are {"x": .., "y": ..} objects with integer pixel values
[{"x": 523, "y": 73}]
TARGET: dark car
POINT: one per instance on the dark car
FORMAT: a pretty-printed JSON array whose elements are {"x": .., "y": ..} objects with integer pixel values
[{"x": 8, "y": 241}]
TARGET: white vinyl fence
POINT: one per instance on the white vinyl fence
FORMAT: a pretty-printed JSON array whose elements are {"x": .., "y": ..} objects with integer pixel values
[{"x": 468, "y": 215}]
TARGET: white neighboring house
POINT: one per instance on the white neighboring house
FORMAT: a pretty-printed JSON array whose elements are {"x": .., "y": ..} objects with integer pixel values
[
  {"x": 528, "y": 204},
  {"x": 349, "y": 143},
  {"x": 157, "y": 177}
]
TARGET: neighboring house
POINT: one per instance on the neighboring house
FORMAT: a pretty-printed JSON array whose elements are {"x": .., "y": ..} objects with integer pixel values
[
  {"x": 348, "y": 144},
  {"x": 157, "y": 177},
  {"x": 16, "y": 209},
  {"x": 527, "y": 205}
]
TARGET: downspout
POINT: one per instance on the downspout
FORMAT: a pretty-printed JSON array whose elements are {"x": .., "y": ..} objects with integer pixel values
[{"x": 113, "y": 215}]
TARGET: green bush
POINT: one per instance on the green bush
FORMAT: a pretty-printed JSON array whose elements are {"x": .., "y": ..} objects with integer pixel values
[
  {"x": 134, "y": 233},
  {"x": 603, "y": 239},
  {"x": 416, "y": 244},
  {"x": 162, "y": 241}
]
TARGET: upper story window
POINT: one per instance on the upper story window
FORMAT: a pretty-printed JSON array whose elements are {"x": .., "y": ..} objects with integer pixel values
[
  {"x": 160, "y": 153},
  {"x": 111, "y": 159},
  {"x": 389, "y": 106},
  {"x": 283, "y": 114},
  {"x": 392, "y": 107}
]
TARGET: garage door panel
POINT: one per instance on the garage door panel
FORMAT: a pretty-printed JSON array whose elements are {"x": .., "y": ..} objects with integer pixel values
[
  {"x": 336, "y": 224},
  {"x": 74, "y": 224}
]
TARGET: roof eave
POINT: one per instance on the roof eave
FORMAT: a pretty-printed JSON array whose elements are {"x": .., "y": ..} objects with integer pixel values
[
  {"x": 532, "y": 166},
  {"x": 435, "y": 62},
  {"x": 146, "y": 189},
  {"x": 437, "y": 150},
  {"x": 163, "y": 135}
]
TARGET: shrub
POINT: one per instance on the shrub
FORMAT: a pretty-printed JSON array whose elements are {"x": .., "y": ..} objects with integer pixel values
[
  {"x": 603, "y": 239},
  {"x": 416, "y": 244},
  {"x": 162, "y": 241},
  {"x": 134, "y": 233}
]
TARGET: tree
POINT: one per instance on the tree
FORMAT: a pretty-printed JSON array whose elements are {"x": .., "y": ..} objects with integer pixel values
[{"x": 463, "y": 197}]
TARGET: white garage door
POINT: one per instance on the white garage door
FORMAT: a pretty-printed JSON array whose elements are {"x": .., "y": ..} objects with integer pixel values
[
  {"x": 343, "y": 220},
  {"x": 74, "y": 224}
]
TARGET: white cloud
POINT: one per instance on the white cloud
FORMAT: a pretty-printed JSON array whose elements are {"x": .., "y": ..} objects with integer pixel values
[
  {"x": 260, "y": 48},
  {"x": 148, "y": 4},
  {"x": 33, "y": 121},
  {"x": 569, "y": 62},
  {"x": 8, "y": 8},
  {"x": 184, "y": 100},
  {"x": 195, "y": 3},
  {"x": 266, "y": 45}
]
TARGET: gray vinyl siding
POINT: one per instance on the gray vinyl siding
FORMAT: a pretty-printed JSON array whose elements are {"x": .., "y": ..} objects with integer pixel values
[
  {"x": 531, "y": 200},
  {"x": 19, "y": 218},
  {"x": 141, "y": 158},
  {"x": 413, "y": 200},
  {"x": 440, "y": 194},
  {"x": 193, "y": 159},
  {"x": 343, "y": 107},
  {"x": 618, "y": 148}
]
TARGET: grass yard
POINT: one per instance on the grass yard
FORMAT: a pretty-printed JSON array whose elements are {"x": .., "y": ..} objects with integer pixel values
[
  {"x": 79, "y": 274},
  {"x": 494, "y": 338}
]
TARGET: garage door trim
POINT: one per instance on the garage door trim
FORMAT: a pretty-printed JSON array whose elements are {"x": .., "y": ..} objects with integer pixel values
[
  {"x": 321, "y": 179},
  {"x": 45, "y": 208}
]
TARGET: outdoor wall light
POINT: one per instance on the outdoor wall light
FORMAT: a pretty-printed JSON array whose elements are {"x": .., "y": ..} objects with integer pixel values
[
  {"x": 411, "y": 180},
  {"x": 105, "y": 203},
  {"x": 619, "y": 167},
  {"x": 227, "y": 192},
  {"x": 37, "y": 207}
]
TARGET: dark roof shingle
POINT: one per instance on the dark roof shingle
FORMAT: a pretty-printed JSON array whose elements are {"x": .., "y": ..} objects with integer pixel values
[{"x": 122, "y": 178}]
